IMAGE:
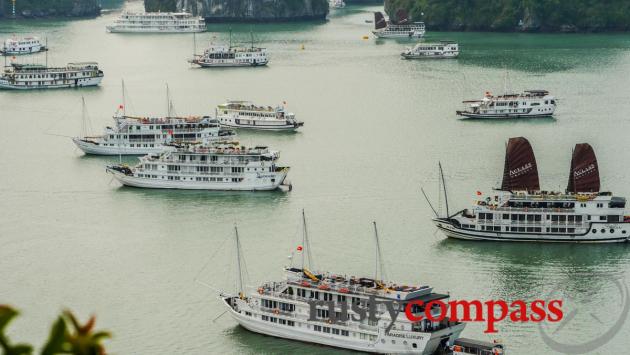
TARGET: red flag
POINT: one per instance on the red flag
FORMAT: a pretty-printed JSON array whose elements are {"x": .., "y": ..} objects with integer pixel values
[
  {"x": 170, "y": 132},
  {"x": 299, "y": 248},
  {"x": 120, "y": 107},
  {"x": 478, "y": 193}
]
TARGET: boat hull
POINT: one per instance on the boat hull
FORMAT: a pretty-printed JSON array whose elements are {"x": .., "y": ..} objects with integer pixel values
[
  {"x": 229, "y": 64},
  {"x": 452, "y": 231},
  {"x": 85, "y": 82},
  {"x": 427, "y": 343},
  {"x": 442, "y": 56},
  {"x": 249, "y": 184},
  {"x": 31, "y": 51},
  {"x": 263, "y": 127},
  {"x": 381, "y": 34},
  {"x": 471, "y": 115},
  {"x": 92, "y": 148},
  {"x": 111, "y": 29}
]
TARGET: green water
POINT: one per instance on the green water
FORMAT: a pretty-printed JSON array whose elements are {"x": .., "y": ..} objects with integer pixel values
[{"x": 376, "y": 127}]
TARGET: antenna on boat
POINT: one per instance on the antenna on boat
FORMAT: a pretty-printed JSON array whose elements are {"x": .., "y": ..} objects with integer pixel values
[
  {"x": 194, "y": 44},
  {"x": 379, "y": 256},
  {"x": 230, "y": 37},
  {"x": 251, "y": 33},
  {"x": 444, "y": 187},
  {"x": 308, "y": 258},
  {"x": 83, "y": 118},
  {"x": 46, "y": 52}
]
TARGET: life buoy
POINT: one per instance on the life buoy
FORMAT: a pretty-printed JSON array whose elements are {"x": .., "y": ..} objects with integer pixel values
[
  {"x": 275, "y": 311},
  {"x": 260, "y": 291}
]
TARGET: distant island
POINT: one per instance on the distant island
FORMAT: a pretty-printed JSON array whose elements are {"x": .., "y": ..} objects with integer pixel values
[
  {"x": 245, "y": 10},
  {"x": 57, "y": 8},
  {"x": 517, "y": 15}
]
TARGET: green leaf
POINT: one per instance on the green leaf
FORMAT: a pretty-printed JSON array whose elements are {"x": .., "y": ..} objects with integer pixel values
[
  {"x": 57, "y": 338},
  {"x": 6, "y": 315}
]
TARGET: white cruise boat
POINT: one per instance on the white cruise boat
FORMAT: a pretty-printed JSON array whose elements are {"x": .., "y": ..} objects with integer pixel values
[
  {"x": 441, "y": 50},
  {"x": 221, "y": 166},
  {"x": 402, "y": 28},
  {"x": 30, "y": 76},
  {"x": 282, "y": 309},
  {"x": 157, "y": 22},
  {"x": 520, "y": 211},
  {"x": 19, "y": 46},
  {"x": 244, "y": 114},
  {"x": 148, "y": 135},
  {"x": 336, "y": 4},
  {"x": 529, "y": 104},
  {"x": 231, "y": 56}
]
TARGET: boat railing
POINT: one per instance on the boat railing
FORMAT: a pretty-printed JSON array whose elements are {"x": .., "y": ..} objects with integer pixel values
[{"x": 531, "y": 209}]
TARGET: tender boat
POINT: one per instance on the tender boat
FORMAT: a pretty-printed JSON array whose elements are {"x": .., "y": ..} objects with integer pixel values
[
  {"x": 441, "y": 50},
  {"x": 336, "y": 4},
  {"x": 157, "y": 22},
  {"x": 19, "y": 46},
  {"x": 529, "y": 104},
  {"x": 33, "y": 76},
  {"x": 401, "y": 28},
  {"x": 465, "y": 346},
  {"x": 220, "y": 166},
  {"x": 244, "y": 114},
  {"x": 520, "y": 211}
]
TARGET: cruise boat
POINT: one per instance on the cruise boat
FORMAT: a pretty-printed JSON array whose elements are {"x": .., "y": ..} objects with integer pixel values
[
  {"x": 157, "y": 22},
  {"x": 221, "y": 166},
  {"x": 336, "y": 4},
  {"x": 441, "y": 50},
  {"x": 520, "y": 211},
  {"x": 402, "y": 28},
  {"x": 465, "y": 346},
  {"x": 33, "y": 76},
  {"x": 244, "y": 114},
  {"x": 531, "y": 103},
  {"x": 148, "y": 135},
  {"x": 231, "y": 56},
  {"x": 282, "y": 309},
  {"x": 18, "y": 46}
]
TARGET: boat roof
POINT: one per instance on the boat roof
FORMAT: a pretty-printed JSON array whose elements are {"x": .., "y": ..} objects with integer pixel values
[{"x": 361, "y": 285}]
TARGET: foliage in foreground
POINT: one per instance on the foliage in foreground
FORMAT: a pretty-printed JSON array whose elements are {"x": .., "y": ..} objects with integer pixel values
[{"x": 67, "y": 336}]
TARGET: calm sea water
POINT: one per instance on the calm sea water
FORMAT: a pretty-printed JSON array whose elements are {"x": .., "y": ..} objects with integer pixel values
[{"x": 376, "y": 127}]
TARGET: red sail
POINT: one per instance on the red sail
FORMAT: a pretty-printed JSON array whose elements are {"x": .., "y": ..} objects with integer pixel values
[
  {"x": 402, "y": 17},
  {"x": 584, "y": 174},
  {"x": 379, "y": 21},
  {"x": 520, "y": 171}
]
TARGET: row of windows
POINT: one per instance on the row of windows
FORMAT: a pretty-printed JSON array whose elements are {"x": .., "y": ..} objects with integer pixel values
[
  {"x": 534, "y": 217},
  {"x": 319, "y": 328},
  {"x": 290, "y": 323}
]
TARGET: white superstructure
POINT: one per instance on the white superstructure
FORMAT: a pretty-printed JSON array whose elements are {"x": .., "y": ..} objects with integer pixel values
[
  {"x": 158, "y": 22},
  {"x": 146, "y": 135},
  {"x": 221, "y": 166},
  {"x": 531, "y": 103},
  {"x": 520, "y": 211},
  {"x": 441, "y": 50},
  {"x": 18, "y": 46},
  {"x": 244, "y": 114},
  {"x": 402, "y": 28},
  {"x": 28, "y": 76}
]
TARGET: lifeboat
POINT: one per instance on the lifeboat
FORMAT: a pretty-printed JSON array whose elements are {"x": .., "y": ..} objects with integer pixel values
[{"x": 323, "y": 287}]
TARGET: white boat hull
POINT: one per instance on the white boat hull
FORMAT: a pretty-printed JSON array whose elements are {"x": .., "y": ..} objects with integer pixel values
[
  {"x": 228, "y": 64},
  {"x": 617, "y": 236},
  {"x": 83, "y": 82},
  {"x": 381, "y": 34},
  {"x": 112, "y": 29},
  {"x": 427, "y": 343},
  {"x": 263, "y": 127},
  {"x": 89, "y": 147},
  {"x": 250, "y": 183}
]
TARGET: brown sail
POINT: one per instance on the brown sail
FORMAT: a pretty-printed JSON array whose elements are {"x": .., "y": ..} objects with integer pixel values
[
  {"x": 584, "y": 174},
  {"x": 402, "y": 17},
  {"x": 379, "y": 20},
  {"x": 520, "y": 171}
]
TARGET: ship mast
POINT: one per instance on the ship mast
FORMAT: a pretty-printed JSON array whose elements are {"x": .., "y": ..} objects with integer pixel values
[
  {"x": 168, "y": 102},
  {"x": 444, "y": 187},
  {"x": 307, "y": 260},
  {"x": 238, "y": 261},
  {"x": 379, "y": 257},
  {"x": 124, "y": 104}
]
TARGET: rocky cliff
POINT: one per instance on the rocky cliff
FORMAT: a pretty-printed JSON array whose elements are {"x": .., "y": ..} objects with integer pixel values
[
  {"x": 46, "y": 8},
  {"x": 517, "y": 15},
  {"x": 245, "y": 10}
]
